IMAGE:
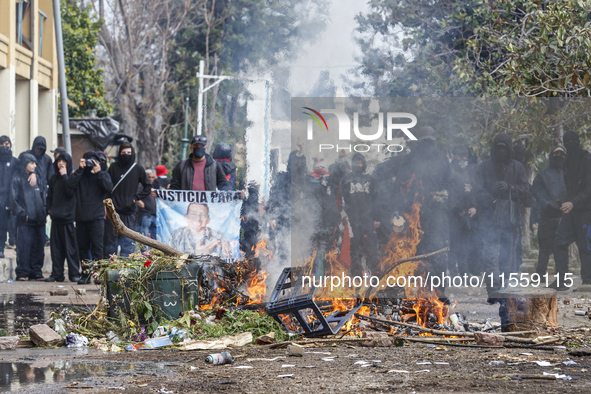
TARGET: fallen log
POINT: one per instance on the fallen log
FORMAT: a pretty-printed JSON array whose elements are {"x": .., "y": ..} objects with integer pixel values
[{"x": 122, "y": 229}]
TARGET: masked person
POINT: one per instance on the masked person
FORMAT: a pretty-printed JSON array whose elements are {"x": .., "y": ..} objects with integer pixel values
[
  {"x": 92, "y": 184},
  {"x": 427, "y": 173},
  {"x": 500, "y": 182},
  {"x": 147, "y": 209},
  {"x": 61, "y": 206},
  {"x": 359, "y": 193},
  {"x": 462, "y": 214},
  {"x": 126, "y": 174},
  {"x": 223, "y": 155},
  {"x": 549, "y": 190},
  {"x": 44, "y": 170},
  {"x": 8, "y": 164},
  {"x": 199, "y": 172},
  {"x": 575, "y": 225},
  {"x": 26, "y": 202}
]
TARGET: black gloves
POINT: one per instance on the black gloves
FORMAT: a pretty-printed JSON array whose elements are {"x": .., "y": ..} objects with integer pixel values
[{"x": 502, "y": 185}]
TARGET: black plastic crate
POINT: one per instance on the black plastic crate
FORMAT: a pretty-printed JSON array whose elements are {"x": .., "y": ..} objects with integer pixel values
[{"x": 293, "y": 305}]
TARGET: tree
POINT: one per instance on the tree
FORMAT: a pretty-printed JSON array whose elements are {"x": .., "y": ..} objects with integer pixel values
[{"x": 84, "y": 79}]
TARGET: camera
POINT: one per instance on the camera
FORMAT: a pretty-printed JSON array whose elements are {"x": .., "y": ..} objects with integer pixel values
[{"x": 89, "y": 163}]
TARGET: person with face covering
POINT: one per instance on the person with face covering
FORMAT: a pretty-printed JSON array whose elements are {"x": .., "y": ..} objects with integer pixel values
[
  {"x": 549, "y": 190},
  {"x": 91, "y": 185},
  {"x": 427, "y": 173},
  {"x": 61, "y": 206},
  {"x": 462, "y": 214},
  {"x": 495, "y": 180},
  {"x": 44, "y": 170},
  {"x": 200, "y": 171},
  {"x": 575, "y": 225},
  {"x": 223, "y": 155},
  {"x": 359, "y": 192},
  {"x": 8, "y": 164},
  {"x": 126, "y": 174},
  {"x": 26, "y": 202}
]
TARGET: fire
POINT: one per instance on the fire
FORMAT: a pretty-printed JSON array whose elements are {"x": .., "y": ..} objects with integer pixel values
[{"x": 256, "y": 288}]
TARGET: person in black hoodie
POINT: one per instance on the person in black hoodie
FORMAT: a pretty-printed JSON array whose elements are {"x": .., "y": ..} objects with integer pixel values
[
  {"x": 549, "y": 190},
  {"x": 27, "y": 204},
  {"x": 575, "y": 225},
  {"x": 359, "y": 191},
  {"x": 44, "y": 169},
  {"x": 92, "y": 185},
  {"x": 209, "y": 176},
  {"x": 126, "y": 174},
  {"x": 223, "y": 155},
  {"x": 8, "y": 164},
  {"x": 61, "y": 207},
  {"x": 496, "y": 179}
]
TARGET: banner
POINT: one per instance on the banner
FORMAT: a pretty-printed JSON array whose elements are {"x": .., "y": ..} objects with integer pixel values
[{"x": 201, "y": 223}]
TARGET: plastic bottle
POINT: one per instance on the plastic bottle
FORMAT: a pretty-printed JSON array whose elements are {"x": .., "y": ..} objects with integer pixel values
[{"x": 219, "y": 358}]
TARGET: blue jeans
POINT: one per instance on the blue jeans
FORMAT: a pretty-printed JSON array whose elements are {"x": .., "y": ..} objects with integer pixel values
[
  {"x": 126, "y": 244},
  {"x": 148, "y": 227}
]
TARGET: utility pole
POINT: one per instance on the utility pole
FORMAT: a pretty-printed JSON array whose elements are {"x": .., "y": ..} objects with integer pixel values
[
  {"x": 202, "y": 90},
  {"x": 186, "y": 133},
  {"x": 62, "y": 75}
]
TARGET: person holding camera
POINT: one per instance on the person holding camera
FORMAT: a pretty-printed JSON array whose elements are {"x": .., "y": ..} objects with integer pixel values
[{"x": 92, "y": 185}]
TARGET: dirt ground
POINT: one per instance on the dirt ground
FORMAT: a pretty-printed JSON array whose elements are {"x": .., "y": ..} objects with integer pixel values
[{"x": 461, "y": 369}]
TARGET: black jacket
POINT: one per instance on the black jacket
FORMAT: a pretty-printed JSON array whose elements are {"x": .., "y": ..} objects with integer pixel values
[
  {"x": 91, "y": 189},
  {"x": 61, "y": 197},
  {"x": 182, "y": 175},
  {"x": 492, "y": 170},
  {"x": 126, "y": 193},
  {"x": 460, "y": 197},
  {"x": 8, "y": 165},
  {"x": 223, "y": 155},
  {"x": 579, "y": 192},
  {"x": 149, "y": 208},
  {"x": 44, "y": 168},
  {"x": 26, "y": 200},
  {"x": 359, "y": 192},
  {"x": 548, "y": 187}
]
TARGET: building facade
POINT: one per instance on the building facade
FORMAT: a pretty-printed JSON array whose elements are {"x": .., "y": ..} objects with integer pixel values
[{"x": 28, "y": 73}]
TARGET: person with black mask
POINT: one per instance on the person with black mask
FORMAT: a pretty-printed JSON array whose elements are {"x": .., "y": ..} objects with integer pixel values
[
  {"x": 500, "y": 182},
  {"x": 61, "y": 207},
  {"x": 359, "y": 190},
  {"x": 8, "y": 164},
  {"x": 431, "y": 185},
  {"x": 223, "y": 155},
  {"x": 44, "y": 170},
  {"x": 461, "y": 215},
  {"x": 200, "y": 171},
  {"x": 549, "y": 190},
  {"x": 126, "y": 174},
  {"x": 576, "y": 208},
  {"x": 91, "y": 185},
  {"x": 26, "y": 202}
]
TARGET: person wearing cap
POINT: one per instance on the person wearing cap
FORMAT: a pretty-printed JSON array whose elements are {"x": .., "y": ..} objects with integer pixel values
[
  {"x": 575, "y": 223},
  {"x": 8, "y": 164},
  {"x": 58, "y": 151},
  {"x": 200, "y": 171},
  {"x": 549, "y": 190},
  {"x": 496, "y": 180},
  {"x": 162, "y": 181}
]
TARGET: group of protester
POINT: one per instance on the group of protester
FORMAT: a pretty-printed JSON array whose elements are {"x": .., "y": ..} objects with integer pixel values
[
  {"x": 33, "y": 187},
  {"x": 471, "y": 204}
]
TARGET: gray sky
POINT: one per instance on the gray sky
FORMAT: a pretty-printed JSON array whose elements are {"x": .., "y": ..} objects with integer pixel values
[{"x": 333, "y": 51}]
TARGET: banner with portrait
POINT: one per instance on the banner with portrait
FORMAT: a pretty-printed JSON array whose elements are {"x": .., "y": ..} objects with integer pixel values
[{"x": 201, "y": 223}]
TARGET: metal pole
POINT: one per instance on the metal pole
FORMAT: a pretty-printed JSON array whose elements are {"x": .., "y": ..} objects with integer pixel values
[
  {"x": 62, "y": 75},
  {"x": 200, "y": 97},
  {"x": 186, "y": 134}
]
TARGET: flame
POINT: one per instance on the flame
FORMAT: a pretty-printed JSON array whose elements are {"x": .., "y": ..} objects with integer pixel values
[{"x": 256, "y": 288}]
